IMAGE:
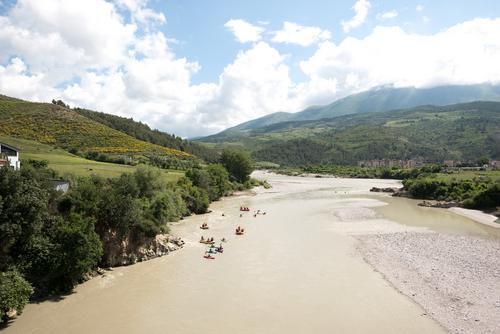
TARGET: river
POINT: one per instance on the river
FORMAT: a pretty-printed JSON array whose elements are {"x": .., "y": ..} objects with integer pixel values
[{"x": 296, "y": 270}]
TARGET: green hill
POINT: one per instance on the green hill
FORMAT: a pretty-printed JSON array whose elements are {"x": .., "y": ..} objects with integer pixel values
[
  {"x": 462, "y": 132},
  {"x": 66, "y": 163},
  {"x": 65, "y": 128},
  {"x": 374, "y": 100},
  {"x": 143, "y": 132}
]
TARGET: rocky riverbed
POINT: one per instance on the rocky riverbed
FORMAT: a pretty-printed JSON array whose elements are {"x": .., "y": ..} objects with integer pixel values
[{"x": 455, "y": 278}]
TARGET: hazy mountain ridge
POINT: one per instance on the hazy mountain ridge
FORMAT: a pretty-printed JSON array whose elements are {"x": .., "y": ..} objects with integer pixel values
[
  {"x": 461, "y": 131},
  {"x": 374, "y": 100}
]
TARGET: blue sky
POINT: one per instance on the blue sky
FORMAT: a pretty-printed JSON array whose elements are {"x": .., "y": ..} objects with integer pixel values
[
  {"x": 199, "y": 25},
  {"x": 197, "y": 67}
]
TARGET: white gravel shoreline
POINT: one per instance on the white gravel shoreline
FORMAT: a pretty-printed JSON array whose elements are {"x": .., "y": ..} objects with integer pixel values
[
  {"x": 478, "y": 216},
  {"x": 455, "y": 278}
]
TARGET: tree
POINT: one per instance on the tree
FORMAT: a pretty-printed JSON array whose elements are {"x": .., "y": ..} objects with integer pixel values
[
  {"x": 23, "y": 205},
  {"x": 214, "y": 179},
  {"x": 238, "y": 164},
  {"x": 196, "y": 199},
  {"x": 219, "y": 181},
  {"x": 483, "y": 161}
]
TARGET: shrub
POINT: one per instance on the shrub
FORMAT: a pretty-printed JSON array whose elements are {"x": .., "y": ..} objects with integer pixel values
[
  {"x": 487, "y": 199},
  {"x": 15, "y": 292}
]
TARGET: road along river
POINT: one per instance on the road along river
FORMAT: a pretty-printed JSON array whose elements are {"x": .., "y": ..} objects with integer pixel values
[{"x": 327, "y": 257}]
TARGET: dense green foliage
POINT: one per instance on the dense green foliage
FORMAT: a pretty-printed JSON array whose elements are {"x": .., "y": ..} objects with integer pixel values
[
  {"x": 458, "y": 132},
  {"x": 15, "y": 292},
  {"x": 476, "y": 193},
  {"x": 238, "y": 164},
  {"x": 50, "y": 240},
  {"x": 143, "y": 132},
  {"x": 214, "y": 180},
  {"x": 125, "y": 210},
  {"x": 51, "y": 251}
]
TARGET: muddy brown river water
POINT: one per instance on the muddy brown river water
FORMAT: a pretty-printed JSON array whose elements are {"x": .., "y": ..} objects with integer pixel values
[{"x": 296, "y": 270}]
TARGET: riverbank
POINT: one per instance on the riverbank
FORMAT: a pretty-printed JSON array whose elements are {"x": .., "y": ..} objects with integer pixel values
[
  {"x": 483, "y": 217},
  {"x": 456, "y": 279},
  {"x": 297, "y": 269},
  {"x": 477, "y": 190},
  {"x": 478, "y": 216}
]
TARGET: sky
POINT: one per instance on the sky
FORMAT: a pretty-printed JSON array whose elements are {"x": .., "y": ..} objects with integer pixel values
[{"x": 194, "y": 68}]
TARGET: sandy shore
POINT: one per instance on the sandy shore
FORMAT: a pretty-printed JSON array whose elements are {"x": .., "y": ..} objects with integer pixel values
[
  {"x": 477, "y": 216},
  {"x": 455, "y": 278}
]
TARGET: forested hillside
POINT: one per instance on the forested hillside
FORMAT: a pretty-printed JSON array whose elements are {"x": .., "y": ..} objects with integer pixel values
[
  {"x": 143, "y": 132},
  {"x": 462, "y": 132}
]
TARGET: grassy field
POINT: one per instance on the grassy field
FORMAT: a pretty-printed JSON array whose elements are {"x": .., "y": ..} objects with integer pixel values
[{"x": 66, "y": 163}]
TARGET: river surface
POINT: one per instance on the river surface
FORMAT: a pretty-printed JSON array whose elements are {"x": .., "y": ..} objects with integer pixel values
[{"x": 296, "y": 270}]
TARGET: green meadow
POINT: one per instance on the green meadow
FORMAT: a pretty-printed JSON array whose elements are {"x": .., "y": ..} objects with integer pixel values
[{"x": 65, "y": 163}]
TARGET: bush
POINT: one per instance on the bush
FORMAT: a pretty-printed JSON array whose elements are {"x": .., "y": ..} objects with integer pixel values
[
  {"x": 196, "y": 199},
  {"x": 15, "y": 292},
  {"x": 487, "y": 199}
]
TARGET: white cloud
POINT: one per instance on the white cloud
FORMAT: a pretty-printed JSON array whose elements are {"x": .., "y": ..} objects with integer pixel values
[
  {"x": 244, "y": 31},
  {"x": 360, "y": 8},
  {"x": 466, "y": 53},
  {"x": 258, "y": 83},
  {"x": 140, "y": 13},
  {"x": 16, "y": 81},
  {"x": 388, "y": 15},
  {"x": 419, "y": 8},
  {"x": 126, "y": 67},
  {"x": 45, "y": 34},
  {"x": 293, "y": 33}
]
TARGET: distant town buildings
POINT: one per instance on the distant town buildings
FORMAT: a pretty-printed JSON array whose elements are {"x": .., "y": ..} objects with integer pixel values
[
  {"x": 494, "y": 164},
  {"x": 9, "y": 156},
  {"x": 452, "y": 163},
  {"x": 419, "y": 162},
  {"x": 389, "y": 163}
]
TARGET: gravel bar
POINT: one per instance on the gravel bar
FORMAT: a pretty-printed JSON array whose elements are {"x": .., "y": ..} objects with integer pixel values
[{"x": 455, "y": 278}]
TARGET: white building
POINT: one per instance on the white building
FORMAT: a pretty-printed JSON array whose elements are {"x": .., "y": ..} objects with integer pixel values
[{"x": 9, "y": 156}]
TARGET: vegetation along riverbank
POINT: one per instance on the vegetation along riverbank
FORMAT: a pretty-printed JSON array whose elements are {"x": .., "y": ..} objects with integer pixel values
[
  {"x": 51, "y": 240},
  {"x": 472, "y": 189}
]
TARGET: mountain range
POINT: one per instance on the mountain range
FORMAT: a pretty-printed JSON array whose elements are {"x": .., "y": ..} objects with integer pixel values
[
  {"x": 396, "y": 123},
  {"x": 374, "y": 100}
]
